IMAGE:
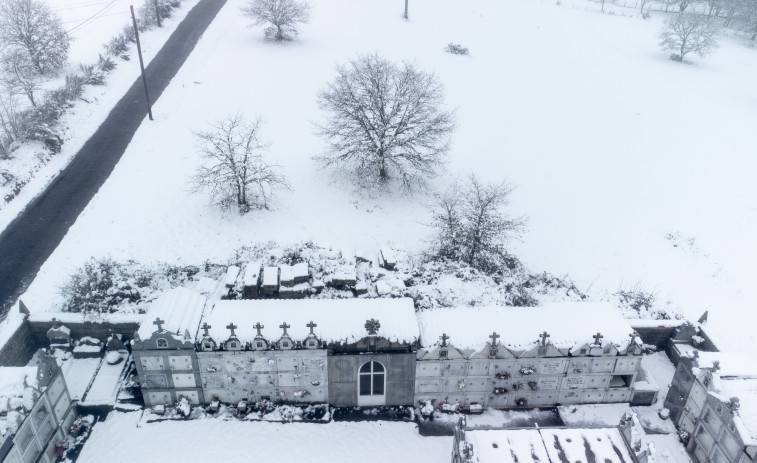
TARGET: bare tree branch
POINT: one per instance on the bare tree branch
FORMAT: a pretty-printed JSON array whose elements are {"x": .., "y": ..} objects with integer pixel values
[{"x": 234, "y": 171}]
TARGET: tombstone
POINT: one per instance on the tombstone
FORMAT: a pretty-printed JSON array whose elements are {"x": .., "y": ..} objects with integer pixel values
[
  {"x": 115, "y": 343},
  {"x": 251, "y": 280},
  {"x": 387, "y": 258},
  {"x": 88, "y": 347},
  {"x": 232, "y": 273},
  {"x": 270, "y": 285},
  {"x": 59, "y": 336}
]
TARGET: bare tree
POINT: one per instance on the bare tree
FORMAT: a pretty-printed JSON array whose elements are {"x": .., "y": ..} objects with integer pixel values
[
  {"x": 233, "y": 169},
  {"x": 385, "y": 121},
  {"x": 285, "y": 17},
  {"x": 30, "y": 26},
  {"x": 472, "y": 224},
  {"x": 19, "y": 77},
  {"x": 686, "y": 33}
]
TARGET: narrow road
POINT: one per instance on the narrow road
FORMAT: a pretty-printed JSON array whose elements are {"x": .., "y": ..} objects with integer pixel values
[{"x": 30, "y": 239}]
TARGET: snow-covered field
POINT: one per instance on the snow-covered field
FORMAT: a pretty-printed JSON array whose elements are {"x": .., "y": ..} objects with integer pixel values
[
  {"x": 122, "y": 438},
  {"x": 634, "y": 170}
]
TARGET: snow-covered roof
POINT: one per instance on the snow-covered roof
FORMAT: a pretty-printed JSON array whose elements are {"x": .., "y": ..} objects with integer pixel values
[
  {"x": 337, "y": 319},
  {"x": 568, "y": 324},
  {"x": 730, "y": 364},
  {"x": 180, "y": 309},
  {"x": 548, "y": 445}
]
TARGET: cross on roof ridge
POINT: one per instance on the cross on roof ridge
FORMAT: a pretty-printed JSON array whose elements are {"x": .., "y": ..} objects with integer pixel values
[
  {"x": 258, "y": 327},
  {"x": 598, "y": 338},
  {"x": 159, "y": 323},
  {"x": 494, "y": 337},
  {"x": 444, "y": 338},
  {"x": 544, "y": 337},
  {"x": 206, "y": 327},
  {"x": 285, "y": 326},
  {"x": 311, "y": 325},
  {"x": 231, "y": 326}
]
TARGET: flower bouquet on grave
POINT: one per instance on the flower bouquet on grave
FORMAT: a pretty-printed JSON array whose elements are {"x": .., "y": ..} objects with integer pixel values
[
  {"x": 500, "y": 390},
  {"x": 502, "y": 375},
  {"x": 525, "y": 371},
  {"x": 533, "y": 385}
]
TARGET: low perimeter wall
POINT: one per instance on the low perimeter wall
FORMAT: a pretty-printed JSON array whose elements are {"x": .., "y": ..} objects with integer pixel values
[{"x": 32, "y": 335}]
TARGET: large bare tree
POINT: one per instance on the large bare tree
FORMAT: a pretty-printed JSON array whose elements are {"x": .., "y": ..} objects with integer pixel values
[
  {"x": 686, "y": 33},
  {"x": 285, "y": 17},
  {"x": 233, "y": 170},
  {"x": 30, "y": 26},
  {"x": 385, "y": 121}
]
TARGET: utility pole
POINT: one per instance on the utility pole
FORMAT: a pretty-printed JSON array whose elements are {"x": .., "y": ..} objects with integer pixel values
[
  {"x": 405, "y": 16},
  {"x": 157, "y": 11},
  {"x": 141, "y": 62}
]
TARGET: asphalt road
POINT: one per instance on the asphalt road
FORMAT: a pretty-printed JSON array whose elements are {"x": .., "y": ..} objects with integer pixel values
[{"x": 30, "y": 239}]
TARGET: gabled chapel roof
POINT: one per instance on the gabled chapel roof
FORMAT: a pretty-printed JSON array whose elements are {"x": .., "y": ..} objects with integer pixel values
[{"x": 180, "y": 309}]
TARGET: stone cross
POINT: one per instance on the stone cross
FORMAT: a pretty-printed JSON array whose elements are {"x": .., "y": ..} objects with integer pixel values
[
  {"x": 444, "y": 338},
  {"x": 311, "y": 325},
  {"x": 598, "y": 338},
  {"x": 258, "y": 327},
  {"x": 159, "y": 323},
  {"x": 716, "y": 365},
  {"x": 285, "y": 326},
  {"x": 372, "y": 326},
  {"x": 494, "y": 337},
  {"x": 231, "y": 326},
  {"x": 206, "y": 327},
  {"x": 544, "y": 337}
]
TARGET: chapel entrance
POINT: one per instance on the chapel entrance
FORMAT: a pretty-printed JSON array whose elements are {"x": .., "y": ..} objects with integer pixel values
[{"x": 371, "y": 385}]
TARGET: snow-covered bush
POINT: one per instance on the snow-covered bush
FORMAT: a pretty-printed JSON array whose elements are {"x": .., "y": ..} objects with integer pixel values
[
  {"x": 456, "y": 49},
  {"x": 101, "y": 285}
]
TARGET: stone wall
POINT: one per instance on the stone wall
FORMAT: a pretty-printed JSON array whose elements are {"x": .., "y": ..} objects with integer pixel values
[
  {"x": 99, "y": 330},
  {"x": 32, "y": 335},
  {"x": 656, "y": 335},
  {"x": 20, "y": 347}
]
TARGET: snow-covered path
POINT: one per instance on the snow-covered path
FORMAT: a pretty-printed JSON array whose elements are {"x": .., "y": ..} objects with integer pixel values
[{"x": 215, "y": 440}]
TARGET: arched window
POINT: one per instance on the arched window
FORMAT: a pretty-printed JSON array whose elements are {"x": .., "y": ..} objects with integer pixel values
[
  {"x": 162, "y": 343},
  {"x": 372, "y": 379}
]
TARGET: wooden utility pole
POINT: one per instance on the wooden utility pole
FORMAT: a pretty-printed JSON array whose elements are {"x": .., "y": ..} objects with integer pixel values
[
  {"x": 405, "y": 16},
  {"x": 157, "y": 11},
  {"x": 141, "y": 62}
]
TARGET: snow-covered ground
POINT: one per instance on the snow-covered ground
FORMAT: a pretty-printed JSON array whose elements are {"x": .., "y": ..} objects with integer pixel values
[
  {"x": 123, "y": 438},
  {"x": 634, "y": 170},
  {"x": 91, "y": 25}
]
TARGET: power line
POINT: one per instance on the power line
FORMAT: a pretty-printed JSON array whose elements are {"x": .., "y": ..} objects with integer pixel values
[
  {"x": 78, "y": 5},
  {"x": 93, "y": 17}
]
